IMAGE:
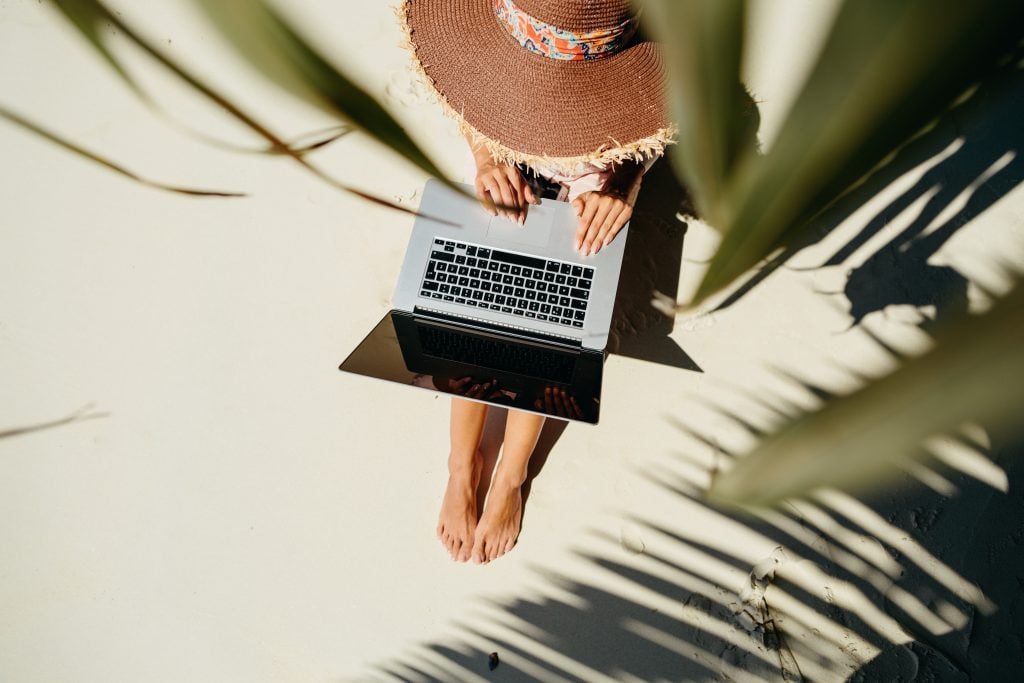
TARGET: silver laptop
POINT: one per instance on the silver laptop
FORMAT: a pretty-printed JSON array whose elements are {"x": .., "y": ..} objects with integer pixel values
[{"x": 498, "y": 312}]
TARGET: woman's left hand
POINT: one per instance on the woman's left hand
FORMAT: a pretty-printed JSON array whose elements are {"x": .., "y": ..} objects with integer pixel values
[{"x": 603, "y": 213}]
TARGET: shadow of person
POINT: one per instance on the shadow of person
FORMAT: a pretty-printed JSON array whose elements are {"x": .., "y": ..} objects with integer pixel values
[{"x": 651, "y": 263}]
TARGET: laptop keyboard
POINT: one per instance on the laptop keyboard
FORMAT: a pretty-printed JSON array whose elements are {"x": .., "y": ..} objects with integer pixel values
[{"x": 527, "y": 286}]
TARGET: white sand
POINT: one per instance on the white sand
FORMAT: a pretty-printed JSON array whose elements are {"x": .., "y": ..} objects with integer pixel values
[{"x": 247, "y": 513}]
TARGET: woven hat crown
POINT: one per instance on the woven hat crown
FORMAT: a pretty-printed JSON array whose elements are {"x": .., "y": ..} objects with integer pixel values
[{"x": 578, "y": 15}]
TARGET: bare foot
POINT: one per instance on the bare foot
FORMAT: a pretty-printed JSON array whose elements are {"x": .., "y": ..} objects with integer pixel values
[
  {"x": 498, "y": 529},
  {"x": 458, "y": 509}
]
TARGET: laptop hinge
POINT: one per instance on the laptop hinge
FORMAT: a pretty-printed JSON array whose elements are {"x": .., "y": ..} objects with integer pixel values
[{"x": 512, "y": 330}]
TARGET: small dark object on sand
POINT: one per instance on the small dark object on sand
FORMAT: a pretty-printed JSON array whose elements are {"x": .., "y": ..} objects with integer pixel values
[{"x": 492, "y": 661}]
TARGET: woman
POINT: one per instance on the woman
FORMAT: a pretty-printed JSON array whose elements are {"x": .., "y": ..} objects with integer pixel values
[{"x": 560, "y": 98}]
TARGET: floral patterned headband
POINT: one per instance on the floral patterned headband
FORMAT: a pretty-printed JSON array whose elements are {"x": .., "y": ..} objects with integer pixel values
[{"x": 550, "y": 41}]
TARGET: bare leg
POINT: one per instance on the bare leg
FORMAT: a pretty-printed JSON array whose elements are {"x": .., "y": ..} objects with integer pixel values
[
  {"x": 499, "y": 525},
  {"x": 457, "y": 520}
]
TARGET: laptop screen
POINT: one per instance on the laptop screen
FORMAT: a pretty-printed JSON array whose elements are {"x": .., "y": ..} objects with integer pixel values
[{"x": 492, "y": 368}]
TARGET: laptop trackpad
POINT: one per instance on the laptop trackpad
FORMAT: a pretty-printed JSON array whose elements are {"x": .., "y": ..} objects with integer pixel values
[{"x": 535, "y": 233}]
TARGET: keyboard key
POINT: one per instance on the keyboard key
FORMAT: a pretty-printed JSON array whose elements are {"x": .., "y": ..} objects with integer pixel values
[
  {"x": 580, "y": 315},
  {"x": 531, "y": 295},
  {"x": 463, "y": 270},
  {"x": 449, "y": 247},
  {"x": 441, "y": 277},
  {"x": 460, "y": 300},
  {"x": 557, "y": 310},
  {"x": 520, "y": 292},
  {"x": 493, "y": 265},
  {"x": 584, "y": 284},
  {"x": 449, "y": 297},
  {"x": 588, "y": 273},
  {"x": 488, "y": 297},
  {"x": 577, "y": 271},
  {"x": 545, "y": 308},
  {"x": 474, "y": 272},
  {"x": 471, "y": 262},
  {"x": 506, "y": 309},
  {"x": 500, "y": 300},
  {"x": 504, "y": 267},
  {"x": 516, "y": 270},
  {"x": 432, "y": 286},
  {"x": 439, "y": 242},
  {"x": 533, "y": 306},
  {"x": 563, "y": 290},
  {"x": 475, "y": 284},
  {"x": 541, "y": 316},
  {"x": 459, "y": 245},
  {"x": 460, "y": 259},
  {"x": 577, "y": 323},
  {"x": 552, "y": 266},
  {"x": 470, "y": 251},
  {"x": 519, "y": 282},
  {"x": 560, "y": 279},
  {"x": 478, "y": 295},
  {"x": 463, "y": 281},
  {"x": 577, "y": 304},
  {"x": 507, "y": 289},
  {"x": 483, "y": 253},
  {"x": 572, "y": 282},
  {"x": 566, "y": 269},
  {"x": 527, "y": 272},
  {"x": 531, "y": 314},
  {"x": 507, "y": 279},
  {"x": 579, "y": 293},
  {"x": 566, "y": 321},
  {"x": 442, "y": 256},
  {"x": 542, "y": 297},
  {"x": 563, "y": 301},
  {"x": 553, "y": 288},
  {"x": 549, "y": 277},
  {"x": 530, "y": 284}
]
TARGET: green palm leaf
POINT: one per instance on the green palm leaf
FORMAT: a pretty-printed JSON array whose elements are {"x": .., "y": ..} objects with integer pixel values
[
  {"x": 888, "y": 67},
  {"x": 973, "y": 374}
]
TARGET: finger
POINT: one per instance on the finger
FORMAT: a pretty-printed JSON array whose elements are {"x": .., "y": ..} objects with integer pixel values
[
  {"x": 530, "y": 195},
  {"x": 459, "y": 383},
  {"x": 577, "y": 206},
  {"x": 549, "y": 405},
  {"x": 606, "y": 225},
  {"x": 494, "y": 189},
  {"x": 508, "y": 197},
  {"x": 590, "y": 240},
  {"x": 590, "y": 206},
  {"x": 519, "y": 186},
  {"x": 485, "y": 197},
  {"x": 576, "y": 407},
  {"x": 622, "y": 219},
  {"x": 566, "y": 408}
]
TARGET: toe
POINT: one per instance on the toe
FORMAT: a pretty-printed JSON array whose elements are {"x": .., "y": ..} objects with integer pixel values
[{"x": 509, "y": 545}]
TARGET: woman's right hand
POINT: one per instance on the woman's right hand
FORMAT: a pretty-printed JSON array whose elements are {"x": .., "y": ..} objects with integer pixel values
[{"x": 502, "y": 189}]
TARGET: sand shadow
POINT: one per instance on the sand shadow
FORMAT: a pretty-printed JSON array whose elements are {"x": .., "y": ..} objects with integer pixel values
[
  {"x": 651, "y": 263},
  {"x": 986, "y": 163}
]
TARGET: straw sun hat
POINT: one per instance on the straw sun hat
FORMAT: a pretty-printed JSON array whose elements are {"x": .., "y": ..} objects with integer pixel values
[{"x": 546, "y": 83}]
